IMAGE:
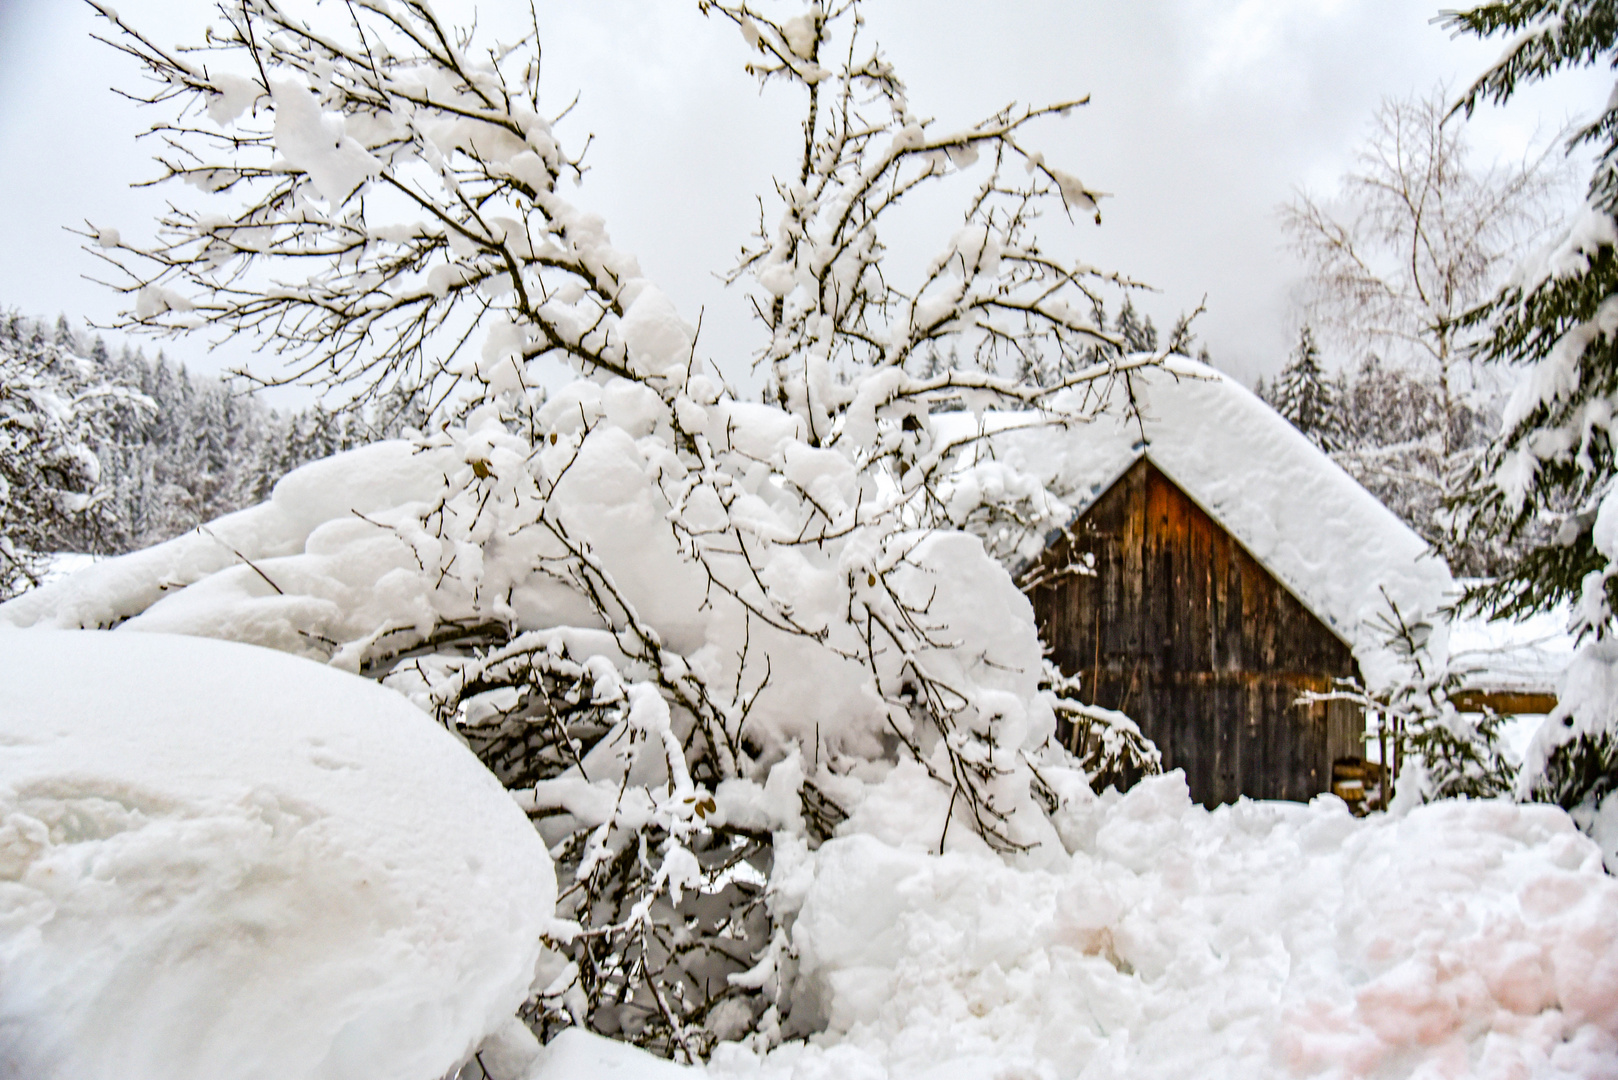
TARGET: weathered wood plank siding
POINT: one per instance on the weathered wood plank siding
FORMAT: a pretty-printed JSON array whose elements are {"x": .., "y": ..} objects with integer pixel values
[{"x": 1182, "y": 629}]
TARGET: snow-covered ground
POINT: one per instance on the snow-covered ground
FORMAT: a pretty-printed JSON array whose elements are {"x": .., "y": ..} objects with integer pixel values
[
  {"x": 221, "y": 861},
  {"x": 1258, "y": 940},
  {"x": 1262, "y": 939}
]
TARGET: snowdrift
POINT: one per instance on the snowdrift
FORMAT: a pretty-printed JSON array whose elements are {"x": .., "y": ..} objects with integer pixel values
[
  {"x": 1256, "y": 941},
  {"x": 220, "y": 861}
]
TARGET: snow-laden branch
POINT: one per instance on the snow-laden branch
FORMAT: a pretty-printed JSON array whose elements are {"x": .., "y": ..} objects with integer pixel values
[
  {"x": 820, "y": 283},
  {"x": 388, "y": 196},
  {"x": 686, "y": 630}
]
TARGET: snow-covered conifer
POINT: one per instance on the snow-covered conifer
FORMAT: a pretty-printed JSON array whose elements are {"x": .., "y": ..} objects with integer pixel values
[
  {"x": 57, "y": 408},
  {"x": 47, "y": 474},
  {"x": 1135, "y": 330},
  {"x": 1554, "y": 460},
  {"x": 1443, "y": 752},
  {"x": 1304, "y": 395}
]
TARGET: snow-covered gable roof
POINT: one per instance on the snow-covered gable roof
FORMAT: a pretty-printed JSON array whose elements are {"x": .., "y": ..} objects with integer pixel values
[{"x": 1332, "y": 543}]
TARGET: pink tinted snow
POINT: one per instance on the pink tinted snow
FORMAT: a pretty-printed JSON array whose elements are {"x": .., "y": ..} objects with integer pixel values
[{"x": 1258, "y": 940}]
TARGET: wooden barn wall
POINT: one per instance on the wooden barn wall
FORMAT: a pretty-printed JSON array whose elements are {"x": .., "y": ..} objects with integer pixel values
[{"x": 1183, "y": 630}]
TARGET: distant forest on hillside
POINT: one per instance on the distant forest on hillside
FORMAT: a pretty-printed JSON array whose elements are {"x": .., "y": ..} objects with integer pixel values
[{"x": 172, "y": 449}]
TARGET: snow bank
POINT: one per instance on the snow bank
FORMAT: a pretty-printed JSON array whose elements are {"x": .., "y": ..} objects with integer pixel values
[
  {"x": 1257, "y": 940},
  {"x": 1331, "y": 542},
  {"x": 219, "y": 861}
]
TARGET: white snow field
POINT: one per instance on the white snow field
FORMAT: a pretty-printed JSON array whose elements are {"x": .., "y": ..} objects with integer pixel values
[
  {"x": 1257, "y": 940},
  {"x": 221, "y": 861},
  {"x": 1261, "y": 940}
]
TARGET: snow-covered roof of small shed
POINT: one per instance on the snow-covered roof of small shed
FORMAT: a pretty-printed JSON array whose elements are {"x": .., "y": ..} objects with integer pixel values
[
  {"x": 1332, "y": 543},
  {"x": 1525, "y": 656}
]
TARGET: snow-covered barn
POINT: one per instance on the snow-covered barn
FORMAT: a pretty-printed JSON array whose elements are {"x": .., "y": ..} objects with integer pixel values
[{"x": 1216, "y": 566}]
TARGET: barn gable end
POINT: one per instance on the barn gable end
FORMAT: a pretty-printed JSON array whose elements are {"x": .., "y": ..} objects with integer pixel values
[
  {"x": 1329, "y": 541},
  {"x": 1167, "y": 617}
]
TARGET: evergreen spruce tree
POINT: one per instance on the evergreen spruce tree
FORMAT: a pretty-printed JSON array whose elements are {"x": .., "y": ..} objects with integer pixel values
[
  {"x": 1554, "y": 461},
  {"x": 53, "y": 412},
  {"x": 402, "y": 411},
  {"x": 1304, "y": 395},
  {"x": 1183, "y": 339},
  {"x": 1137, "y": 330},
  {"x": 159, "y": 451}
]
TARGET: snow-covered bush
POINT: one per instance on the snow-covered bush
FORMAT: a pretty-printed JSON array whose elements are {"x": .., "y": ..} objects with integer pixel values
[
  {"x": 1573, "y": 759},
  {"x": 1109, "y": 746},
  {"x": 692, "y": 633}
]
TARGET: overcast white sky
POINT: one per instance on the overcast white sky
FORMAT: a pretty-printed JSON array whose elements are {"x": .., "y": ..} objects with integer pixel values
[{"x": 1205, "y": 115}]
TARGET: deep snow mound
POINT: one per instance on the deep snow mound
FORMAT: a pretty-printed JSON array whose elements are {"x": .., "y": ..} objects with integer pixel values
[
  {"x": 220, "y": 861},
  {"x": 1466, "y": 939},
  {"x": 1259, "y": 941}
]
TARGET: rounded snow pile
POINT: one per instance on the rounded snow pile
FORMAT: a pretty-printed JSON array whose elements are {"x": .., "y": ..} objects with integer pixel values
[{"x": 220, "y": 861}]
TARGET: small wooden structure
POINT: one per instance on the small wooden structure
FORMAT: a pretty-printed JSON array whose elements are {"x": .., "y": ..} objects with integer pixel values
[
  {"x": 1215, "y": 566},
  {"x": 1165, "y": 616}
]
